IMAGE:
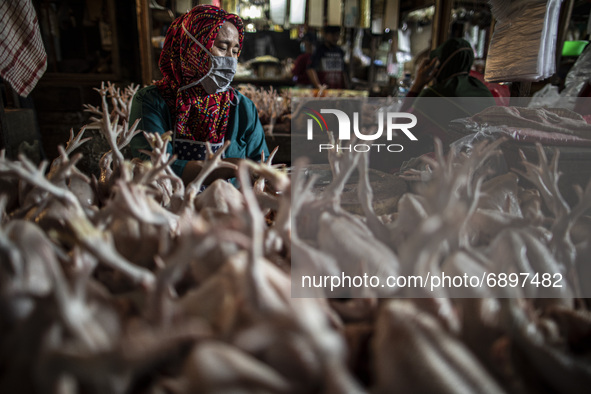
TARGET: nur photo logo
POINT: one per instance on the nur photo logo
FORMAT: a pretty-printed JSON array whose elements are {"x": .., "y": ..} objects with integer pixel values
[{"x": 388, "y": 123}]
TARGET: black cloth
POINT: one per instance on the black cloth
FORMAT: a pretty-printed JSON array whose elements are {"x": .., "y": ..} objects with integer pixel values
[{"x": 329, "y": 63}]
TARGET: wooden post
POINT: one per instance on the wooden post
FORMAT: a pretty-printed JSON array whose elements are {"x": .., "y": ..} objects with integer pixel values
[
  {"x": 3, "y": 127},
  {"x": 116, "y": 63},
  {"x": 371, "y": 77},
  {"x": 524, "y": 89},
  {"x": 441, "y": 22},
  {"x": 391, "y": 19},
  {"x": 566, "y": 10},
  {"x": 145, "y": 40},
  {"x": 365, "y": 14}
]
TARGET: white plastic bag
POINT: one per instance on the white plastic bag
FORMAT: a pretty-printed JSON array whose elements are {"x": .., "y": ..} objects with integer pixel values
[
  {"x": 548, "y": 96},
  {"x": 523, "y": 46}
]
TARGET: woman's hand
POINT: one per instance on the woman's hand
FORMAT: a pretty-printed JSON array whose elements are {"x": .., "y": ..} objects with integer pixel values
[{"x": 425, "y": 74}]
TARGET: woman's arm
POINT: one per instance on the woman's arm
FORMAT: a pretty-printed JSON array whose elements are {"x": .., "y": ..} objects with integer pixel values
[
  {"x": 313, "y": 77},
  {"x": 254, "y": 133},
  {"x": 425, "y": 74},
  {"x": 154, "y": 115},
  {"x": 311, "y": 70}
]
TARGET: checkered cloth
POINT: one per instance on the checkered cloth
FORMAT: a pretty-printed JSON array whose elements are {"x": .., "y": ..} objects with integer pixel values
[{"x": 22, "y": 55}]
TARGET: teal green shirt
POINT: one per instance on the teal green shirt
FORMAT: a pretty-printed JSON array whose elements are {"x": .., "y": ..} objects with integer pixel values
[{"x": 245, "y": 131}]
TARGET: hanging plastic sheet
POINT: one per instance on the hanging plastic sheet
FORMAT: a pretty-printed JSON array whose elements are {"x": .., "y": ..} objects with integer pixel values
[
  {"x": 523, "y": 45},
  {"x": 377, "y": 17},
  {"x": 297, "y": 13},
  {"x": 404, "y": 39},
  {"x": 358, "y": 49},
  {"x": 404, "y": 54},
  {"x": 579, "y": 74},
  {"x": 277, "y": 11},
  {"x": 334, "y": 13},
  {"x": 316, "y": 13},
  {"x": 351, "y": 13},
  {"x": 577, "y": 79}
]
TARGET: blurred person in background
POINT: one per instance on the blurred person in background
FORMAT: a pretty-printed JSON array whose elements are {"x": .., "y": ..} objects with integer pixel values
[
  {"x": 445, "y": 75},
  {"x": 263, "y": 43},
  {"x": 303, "y": 61},
  {"x": 442, "y": 91},
  {"x": 448, "y": 67},
  {"x": 327, "y": 68}
]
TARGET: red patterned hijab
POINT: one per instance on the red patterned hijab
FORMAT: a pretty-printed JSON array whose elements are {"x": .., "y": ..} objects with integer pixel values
[{"x": 199, "y": 116}]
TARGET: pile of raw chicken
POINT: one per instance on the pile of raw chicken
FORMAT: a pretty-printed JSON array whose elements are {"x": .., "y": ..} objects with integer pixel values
[
  {"x": 273, "y": 107},
  {"x": 135, "y": 283}
]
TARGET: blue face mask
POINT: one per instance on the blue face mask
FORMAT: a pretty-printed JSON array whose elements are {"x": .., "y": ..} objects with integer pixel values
[{"x": 219, "y": 76}]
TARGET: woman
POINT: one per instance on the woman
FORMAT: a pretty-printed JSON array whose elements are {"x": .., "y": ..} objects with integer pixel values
[
  {"x": 449, "y": 66},
  {"x": 458, "y": 94},
  {"x": 453, "y": 94},
  {"x": 300, "y": 66},
  {"x": 194, "y": 97}
]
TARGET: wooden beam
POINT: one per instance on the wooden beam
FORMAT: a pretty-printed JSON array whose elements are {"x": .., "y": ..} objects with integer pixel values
[
  {"x": 392, "y": 14},
  {"x": 365, "y": 14},
  {"x": 3, "y": 127},
  {"x": 145, "y": 40},
  {"x": 413, "y": 5},
  {"x": 371, "y": 77},
  {"x": 391, "y": 21},
  {"x": 441, "y": 22},
  {"x": 115, "y": 61},
  {"x": 566, "y": 10}
]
